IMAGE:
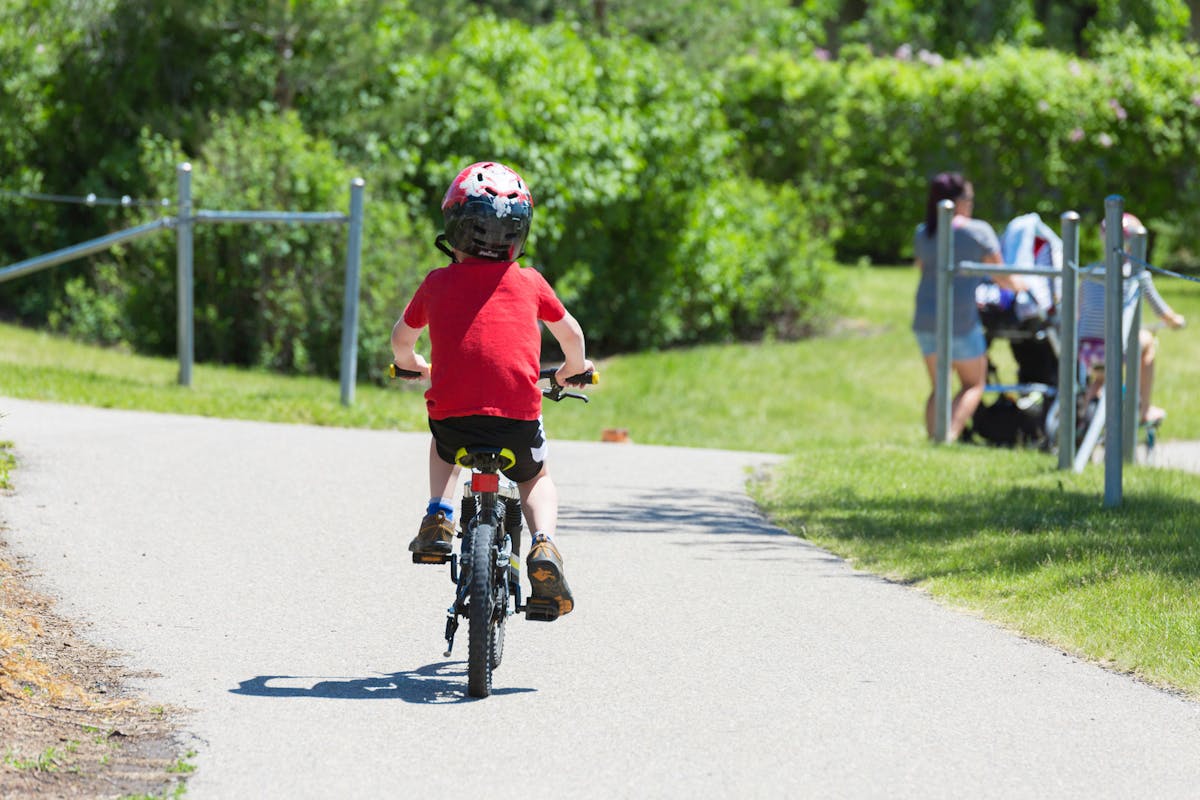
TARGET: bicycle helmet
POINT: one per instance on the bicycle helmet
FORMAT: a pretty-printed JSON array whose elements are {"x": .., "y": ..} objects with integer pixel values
[
  {"x": 487, "y": 212},
  {"x": 1130, "y": 225}
]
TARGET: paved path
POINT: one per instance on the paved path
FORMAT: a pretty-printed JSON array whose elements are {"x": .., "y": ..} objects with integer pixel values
[
  {"x": 1178, "y": 455},
  {"x": 260, "y": 570}
]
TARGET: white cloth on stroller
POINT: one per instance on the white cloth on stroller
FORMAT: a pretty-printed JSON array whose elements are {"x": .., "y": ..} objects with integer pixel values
[{"x": 1029, "y": 242}]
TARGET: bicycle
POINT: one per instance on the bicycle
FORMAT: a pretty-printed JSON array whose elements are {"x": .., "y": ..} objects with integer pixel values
[{"x": 486, "y": 571}]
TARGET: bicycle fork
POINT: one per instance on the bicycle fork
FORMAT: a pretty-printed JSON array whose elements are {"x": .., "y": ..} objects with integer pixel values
[{"x": 508, "y": 560}]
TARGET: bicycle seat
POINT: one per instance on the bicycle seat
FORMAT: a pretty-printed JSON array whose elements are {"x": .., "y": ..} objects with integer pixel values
[{"x": 470, "y": 457}]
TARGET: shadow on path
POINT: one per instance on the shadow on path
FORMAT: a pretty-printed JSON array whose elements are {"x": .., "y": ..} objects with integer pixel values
[
  {"x": 443, "y": 682},
  {"x": 676, "y": 511}
]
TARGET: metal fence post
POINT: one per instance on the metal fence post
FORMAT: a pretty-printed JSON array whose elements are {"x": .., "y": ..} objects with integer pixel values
[
  {"x": 945, "y": 321},
  {"x": 1068, "y": 369},
  {"x": 184, "y": 280},
  {"x": 349, "y": 367},
  {"x": 1114, "y": 208},
  {"x": 1133, "y": 351}
]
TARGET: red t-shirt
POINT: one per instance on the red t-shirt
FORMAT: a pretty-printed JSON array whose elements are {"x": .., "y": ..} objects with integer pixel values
[{"x": 485, "y": 343}]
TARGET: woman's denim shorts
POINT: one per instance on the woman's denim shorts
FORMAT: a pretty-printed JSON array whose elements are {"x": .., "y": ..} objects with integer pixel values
[{"x": 970, "y": 345}]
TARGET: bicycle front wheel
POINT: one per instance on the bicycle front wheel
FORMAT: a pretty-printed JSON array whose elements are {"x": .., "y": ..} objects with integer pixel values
[{"x": 480, "y": 616}]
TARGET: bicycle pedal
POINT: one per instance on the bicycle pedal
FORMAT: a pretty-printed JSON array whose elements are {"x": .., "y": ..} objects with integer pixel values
[
  {"x": 541, "y": 609},
  {"x": 430, "y": 558}
]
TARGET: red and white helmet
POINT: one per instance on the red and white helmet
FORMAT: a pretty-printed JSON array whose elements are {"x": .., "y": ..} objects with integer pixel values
[
  {"x": 1130, "y": 225},
  {"x": 487, "y": 212}
]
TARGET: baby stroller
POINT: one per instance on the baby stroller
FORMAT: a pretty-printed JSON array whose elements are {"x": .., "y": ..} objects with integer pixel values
[{"x": 1025, "y": 412}]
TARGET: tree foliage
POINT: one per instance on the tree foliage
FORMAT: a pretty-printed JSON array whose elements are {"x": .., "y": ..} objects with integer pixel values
[
  {"x": 694, "y": 164},
  {"x": 1036, "y": 130}
]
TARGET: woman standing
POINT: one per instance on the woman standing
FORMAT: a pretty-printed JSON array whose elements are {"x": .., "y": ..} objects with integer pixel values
[{"x": 974, "y": 240}]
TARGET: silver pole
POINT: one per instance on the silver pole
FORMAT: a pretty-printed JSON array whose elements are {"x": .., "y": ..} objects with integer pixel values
[
  {"x": 1114, "y": 207},
  {"x": 1133, "y": 352},
  {"x": 286, "y": 217},
  {"x": 350, "y": 302},
  {"x": 41, "y": 262},
  {"x": 1068, "y": 368},
  {"x": 945, "y": 321},
  {"x": 183, "y": 277}
]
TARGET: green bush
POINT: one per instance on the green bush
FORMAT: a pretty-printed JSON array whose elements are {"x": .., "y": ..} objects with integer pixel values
[
  {"x": 693, "y": 167},
  {"x": 30, "y": 46},
  {"x": 621, "y": 147},
  {"x": 1036, "y": 130},
  {"x": 92, "y": 311},
  {"x": 750, "y": 265}
]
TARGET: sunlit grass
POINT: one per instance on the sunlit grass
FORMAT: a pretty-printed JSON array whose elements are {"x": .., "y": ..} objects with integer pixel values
[
  {"x": 37, "y": 365},
  {"x": 1006, "y": 534}
]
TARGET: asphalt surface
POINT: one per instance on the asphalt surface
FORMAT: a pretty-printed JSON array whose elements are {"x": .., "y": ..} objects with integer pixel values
[
  {"x": 1177, "y": 455},
  {"x": 260, "y": 571}
]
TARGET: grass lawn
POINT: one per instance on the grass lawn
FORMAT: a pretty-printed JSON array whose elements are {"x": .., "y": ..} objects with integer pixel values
[{"x": 1000, "y": 532}]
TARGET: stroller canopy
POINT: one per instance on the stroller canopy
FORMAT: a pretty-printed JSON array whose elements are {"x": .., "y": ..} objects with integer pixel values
[{"x": 1027, "y": 241}]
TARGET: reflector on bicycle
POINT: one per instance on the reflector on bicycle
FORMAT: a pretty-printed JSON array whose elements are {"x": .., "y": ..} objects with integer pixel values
[{"x": 485, "y": 482}]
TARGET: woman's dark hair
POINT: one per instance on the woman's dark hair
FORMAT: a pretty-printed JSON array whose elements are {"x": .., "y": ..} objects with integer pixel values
[{"x": 943, "y": 186}]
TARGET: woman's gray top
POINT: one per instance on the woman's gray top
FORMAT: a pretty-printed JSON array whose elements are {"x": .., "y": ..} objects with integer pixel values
[{"x": 973, "y": 240}]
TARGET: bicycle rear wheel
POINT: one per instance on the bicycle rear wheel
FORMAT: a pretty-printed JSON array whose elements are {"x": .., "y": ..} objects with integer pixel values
[
  {"x": 498, "y": 620},
  {"x": 480, "y": 614}
]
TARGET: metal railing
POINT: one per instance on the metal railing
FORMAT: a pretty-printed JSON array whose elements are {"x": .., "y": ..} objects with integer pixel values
[
  {"x": 183, "y": 223},
  {"x": 1122, "y": 342},
  {"x": 39, "y": 263},
  {"x": 946, "y": 269}
]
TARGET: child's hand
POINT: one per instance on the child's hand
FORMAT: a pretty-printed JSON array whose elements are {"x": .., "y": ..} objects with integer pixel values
[
  {"x": 1176, "y": 321},
  {"x": 414, "y": 362},
  {"x": 570, "y": 370}
]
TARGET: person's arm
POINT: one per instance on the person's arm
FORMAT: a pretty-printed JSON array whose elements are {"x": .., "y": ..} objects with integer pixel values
[
  {"x": 1160, "y": 306},
  {"x": 569, "y": 335},
  {"x": 1014, "y": 283},
  {"x": 404, "y": 353}
]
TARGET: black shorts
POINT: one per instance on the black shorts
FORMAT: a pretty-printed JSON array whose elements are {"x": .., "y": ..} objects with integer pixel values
[{"x": 524, "y": 437}]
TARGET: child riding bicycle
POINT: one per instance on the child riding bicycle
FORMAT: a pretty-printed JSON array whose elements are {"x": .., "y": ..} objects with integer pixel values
[
  {"x": 482, "y": 311},
  {"x": 1092, "y": 324}
]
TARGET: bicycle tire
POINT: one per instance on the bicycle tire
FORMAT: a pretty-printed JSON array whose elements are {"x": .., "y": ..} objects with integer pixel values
[
  {"x": 480, "y": 614},
  {"x": 498, "y": 620},
  {"x": 503, "y": 583}
]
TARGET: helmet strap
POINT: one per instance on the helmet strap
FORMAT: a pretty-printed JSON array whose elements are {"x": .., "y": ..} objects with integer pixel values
[{"x": 441, "y": 243}]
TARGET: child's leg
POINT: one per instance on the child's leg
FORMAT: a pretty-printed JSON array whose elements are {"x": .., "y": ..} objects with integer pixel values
[
  {"x": 1146, "y": 411},
  {"x": 436, "y": 532},
  {"x": 443, "y": 477},
  {"x": 539, "y": 499}
]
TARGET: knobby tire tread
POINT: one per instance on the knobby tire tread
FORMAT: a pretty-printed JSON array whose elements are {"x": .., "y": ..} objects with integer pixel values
[
  {"x": 499, "y": 617},
  {"x": 479, "y": 613}
]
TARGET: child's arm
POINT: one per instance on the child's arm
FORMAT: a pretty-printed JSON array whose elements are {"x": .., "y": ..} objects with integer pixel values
[
  {"x": 570, "y": 339},
  {"x": 404, "y": 353},
  {"x": 1160, "y": 306}
]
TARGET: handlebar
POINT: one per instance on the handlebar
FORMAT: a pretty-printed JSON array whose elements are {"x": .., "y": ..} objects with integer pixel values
[
  {"x": 399, "y": 372},
  {"x": 555, "y": 391}
]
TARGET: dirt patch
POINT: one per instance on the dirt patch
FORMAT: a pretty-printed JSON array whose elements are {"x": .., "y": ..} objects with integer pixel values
[{"x": 69, "y": 727}]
